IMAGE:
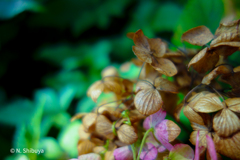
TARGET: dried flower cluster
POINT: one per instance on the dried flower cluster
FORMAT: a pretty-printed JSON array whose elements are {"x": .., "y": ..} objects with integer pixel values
[{"x": 132, "y": 124}]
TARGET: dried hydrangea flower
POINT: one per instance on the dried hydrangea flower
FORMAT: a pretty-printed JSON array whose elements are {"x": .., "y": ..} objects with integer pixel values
[
  {"x": 148, "y": 99},
  {"x": 164, "y": 130}
]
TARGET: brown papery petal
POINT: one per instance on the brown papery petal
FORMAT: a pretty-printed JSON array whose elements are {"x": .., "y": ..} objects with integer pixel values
[
  {"x": 144, "y": 84},
  {"x": 173, "y": 130},
  {"x": 225, "y": 48},
  {"x": 148, "y": 101},
  {"x": 81, "y": 132},
  {"x": 198, "y": 36},
  {"x": 137, "y": 62},
  {"x": 157, "y": 47},
  {"x": 140, "y": 40},
  {"x": 128, "y": 85},
  {"x": 165, "y": 85},
  {"x": 127, "y": 134},
  {"x": 233, "y": 104},
  {"x": 204, "y": 61},
  {"x": 164, "y": 66},
  {"x": 225, "y": 123},
  {"x": 98, "y": 149},
  {"x": 213, "y": 74},
  {"x": 130, "y": 35},
  {"x": 202, "y": 137},
  {"x": 192, "y": 100},
  {"x": 177, "y": 111},
  {"x": 89, "y": 122},
  {"x": 192, "y": 115},
  {"x": 95, "y": 90},
  {"x": 219, "y": 157},
  {"x": 232, "y": 27},
  {"x": 209, "y": 103},
  {"x": 104, "y": 127},
  {"x": 109, "y": 154},
  {"x": 85, "y": 146},
  {"x": 112, "y": 85},
  {"x": 229, "y": 147},
  {"x": 236, "y": 69},
  {"x": 142, "y": 53},
  {"x": 109, "y": 71}
]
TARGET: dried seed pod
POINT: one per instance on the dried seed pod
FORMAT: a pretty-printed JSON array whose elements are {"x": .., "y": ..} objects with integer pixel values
[
  {"x": 104, "y": 127},
  {"x": 225, "y": 123},
  {"x": 228, "y": 146},
  {"x": 85, "y": 146},
  {"x": 127, "y": 134},
  {"x": 89, "y": 122}
]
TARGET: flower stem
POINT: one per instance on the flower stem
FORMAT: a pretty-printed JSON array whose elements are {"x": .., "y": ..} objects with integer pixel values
[
  {"x": 143, "y": 141},
  {"x": 134, "y": 152}
]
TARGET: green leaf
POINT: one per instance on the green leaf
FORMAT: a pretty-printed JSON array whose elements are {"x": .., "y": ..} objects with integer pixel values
[
  {"x": 16, "y": 112},
  {"x": 66, "y": 96},
  {"x": 52, "y": 105},
  {"x": 196, "y": 13},
  {"x": 166, "y": 17},
  {"x": 27, "y": 134},
  {"x": 132, "y": 73},
  {"x": 75, "y": 79},
  {"x": 68, "y": 138},
  {"x": 51, "y": 148},
  {"x": 86, "y": 104},
  {"x": 61, "y": 120},
  {"x": 10, "y": 8},
  {"x": 58, "y": 120}
]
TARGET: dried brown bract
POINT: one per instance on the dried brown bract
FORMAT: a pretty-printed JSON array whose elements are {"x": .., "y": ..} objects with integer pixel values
[
  {"x": 148, "y": 99},
  {"x": 225, "y": 42},
  {"x": 152, "y": 51}
]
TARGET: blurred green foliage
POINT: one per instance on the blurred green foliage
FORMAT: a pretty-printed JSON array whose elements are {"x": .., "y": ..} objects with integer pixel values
[{"x": 52, "y": 50}]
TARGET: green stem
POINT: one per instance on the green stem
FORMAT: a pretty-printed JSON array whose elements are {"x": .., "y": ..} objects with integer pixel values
[
  {"x": 143, "y": 141},
  {"x": 134, "y": 152}
]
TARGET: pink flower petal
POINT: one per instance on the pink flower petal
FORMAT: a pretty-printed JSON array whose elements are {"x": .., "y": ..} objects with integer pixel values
[
  {"x": 211, "y": 148},
  {"x": 90, "y": 156},
  {"x": 181, "y": 151},
  {"x": 149, "y": 152},
  {"x": 161, "y": 149},
  {"x": 157, "y": 117},
  {"x": 161, "y": 133},
  {"x": 152, "y": 140},
  {"x": 197, "y": 148},
  {"x": 123, "y": 153},
  {"x": 146, "y": 123}
]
